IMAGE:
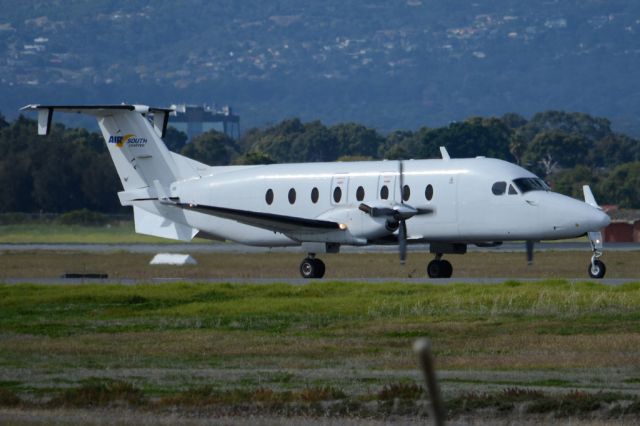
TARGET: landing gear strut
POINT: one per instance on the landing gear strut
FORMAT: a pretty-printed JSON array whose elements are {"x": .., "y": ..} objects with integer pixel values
[
  {"x": 312, "y": 267},
  {"x": 597, "y": 269},
  {"x": 439, "y": 268}
]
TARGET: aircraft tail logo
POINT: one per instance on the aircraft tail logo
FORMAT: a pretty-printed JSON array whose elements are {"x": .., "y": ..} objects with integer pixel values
[{"x": 129, "y": 139}]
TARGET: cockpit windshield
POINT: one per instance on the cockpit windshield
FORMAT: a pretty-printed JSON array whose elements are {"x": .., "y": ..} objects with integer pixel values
[{"x": 531, "y": 184}]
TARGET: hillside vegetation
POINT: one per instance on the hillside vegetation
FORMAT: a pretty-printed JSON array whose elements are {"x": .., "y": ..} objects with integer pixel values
[{"x": 400, "y": 64}]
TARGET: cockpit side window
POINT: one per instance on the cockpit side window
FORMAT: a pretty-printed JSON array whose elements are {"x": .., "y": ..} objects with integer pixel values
[
  {"x": 499, "y": 188},
  {"x": 512, "y": 190},
  {"x": 531, "y": 184}
]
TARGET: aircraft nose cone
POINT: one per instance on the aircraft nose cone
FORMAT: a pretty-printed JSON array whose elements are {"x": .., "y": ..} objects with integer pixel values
[
  {"x": 597, "y": 219},
  {"x": 603, "y": 219}
]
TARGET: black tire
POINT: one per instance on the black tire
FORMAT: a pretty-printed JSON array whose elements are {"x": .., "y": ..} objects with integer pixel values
[
  {"x": 308, "y": 268},
  {"x": 320, "y": 268},
  {"x": 434, "y": 269},
  {"x": 597, "y": 270},
  {"x": 447, "y": 269}
]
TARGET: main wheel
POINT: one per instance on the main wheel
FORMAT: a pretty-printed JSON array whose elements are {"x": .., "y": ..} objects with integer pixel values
[
  {"x": 312, "y": 268},
  {"x": 447, "y": 269},
  {"x": 439, "y": 269},
  {"x": 597, "y": 269},
  {"x": 308, "y": 268},
  {"x": 434, "y": 269},
  {"x": 320, "y": 268}
]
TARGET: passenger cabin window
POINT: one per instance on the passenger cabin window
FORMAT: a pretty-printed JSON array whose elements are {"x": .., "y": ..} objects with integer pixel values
[
  {"x": 292, "y": 196},
  {"x": 531, "y": 184},
  {"x": 315, "y": 194},
  {"x": 269, "y": 196},
  {"x": 406, "y": 193},
  {"x": 337, "y": 194},
  {"x": 384, "y": 192},
  {"x": 360, "y": 193},
  {"x": 428, "y": 192},
  {"x": 512, "y": 190},
  {"x": 499, "y": 188}
]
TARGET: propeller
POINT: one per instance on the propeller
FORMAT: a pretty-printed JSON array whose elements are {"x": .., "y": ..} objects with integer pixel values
[
  {"x": 397, "y": 215},
  {"x": 402, "y": 230},
  {"x": 529, "y": 246}
]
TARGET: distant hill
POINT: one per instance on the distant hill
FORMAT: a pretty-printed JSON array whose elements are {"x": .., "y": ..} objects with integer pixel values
[{"x": 388, "y": 64}]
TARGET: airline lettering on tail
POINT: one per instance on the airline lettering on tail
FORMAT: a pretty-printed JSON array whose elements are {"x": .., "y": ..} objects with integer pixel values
[{"x": 130, "y": 140}]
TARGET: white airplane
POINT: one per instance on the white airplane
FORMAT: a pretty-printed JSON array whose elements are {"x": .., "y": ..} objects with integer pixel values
[{"x": 447, "y": 203}]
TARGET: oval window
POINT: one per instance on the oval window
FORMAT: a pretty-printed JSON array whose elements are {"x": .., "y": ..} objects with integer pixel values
[
  {"x": 315, "y": 194},
  {"x": 406, "y": 193},
  {"x": 360, "y": 193},
  {"x": 269, "y": 196},
  {"x": 384, "y": 192},
  {"x": 292, "y": 196},
  {"x": 499, "y": 188},
  {"x": 337, "y": 194},
  {"x": 428, "y": 192}
]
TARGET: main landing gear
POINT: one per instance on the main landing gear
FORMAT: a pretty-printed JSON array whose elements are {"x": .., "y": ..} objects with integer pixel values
[
  {"x": 311, "y": 267},
  {"x": 439, "y": 268},
  {"x": 596, "y": 267}
]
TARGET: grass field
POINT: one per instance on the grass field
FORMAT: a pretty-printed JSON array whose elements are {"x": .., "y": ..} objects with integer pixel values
[
  {"x": 51, "y": 233},
  {"x": 519, "y": 350}
]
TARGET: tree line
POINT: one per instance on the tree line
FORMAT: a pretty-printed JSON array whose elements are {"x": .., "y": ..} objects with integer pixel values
[{"x": 71, "y": 169}]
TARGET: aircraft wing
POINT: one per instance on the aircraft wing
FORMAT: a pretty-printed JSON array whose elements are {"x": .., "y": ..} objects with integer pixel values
[{"x": 288, "y": 225}]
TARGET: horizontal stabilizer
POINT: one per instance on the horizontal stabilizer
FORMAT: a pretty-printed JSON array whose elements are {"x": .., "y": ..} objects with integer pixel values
[
  {"x": 152, "y": 224},
  {"x": 45, "y": 114}
]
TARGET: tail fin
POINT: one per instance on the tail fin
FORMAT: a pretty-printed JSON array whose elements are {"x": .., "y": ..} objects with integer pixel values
[{"x": 141, "y": 158}]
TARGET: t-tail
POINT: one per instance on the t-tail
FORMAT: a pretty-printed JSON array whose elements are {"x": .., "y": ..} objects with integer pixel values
[{"x": 146, "y": 167}]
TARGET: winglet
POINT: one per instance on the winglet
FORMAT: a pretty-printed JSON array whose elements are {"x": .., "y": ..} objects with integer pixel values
[
  {"x": 444, "y": 153},
  {"x": 588, "y": 197}
]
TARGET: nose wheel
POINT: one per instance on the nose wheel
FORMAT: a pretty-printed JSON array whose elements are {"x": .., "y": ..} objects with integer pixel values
[
  {"x": 439, "y": 268},
  {"x": 596, "y": 269},
  {"x": 312, "y": 267}
]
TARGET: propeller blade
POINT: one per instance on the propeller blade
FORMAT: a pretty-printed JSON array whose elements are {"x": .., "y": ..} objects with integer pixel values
[
  {"x": 424, "y": 210},
  {"x": 401, "y": 179},
  {"x": 377, "y": 211},
  {"x": 529, "y": 245},
  {"x": 365, "y": 208},
  {"x": 402, "y": 241}
]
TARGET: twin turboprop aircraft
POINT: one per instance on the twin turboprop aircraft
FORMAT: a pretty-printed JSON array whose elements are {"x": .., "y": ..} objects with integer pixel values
[{"x": 447, "y": 203}]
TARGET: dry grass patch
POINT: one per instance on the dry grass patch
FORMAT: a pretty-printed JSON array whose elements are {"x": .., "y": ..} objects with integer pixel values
[{"x": 121, "y": 265}]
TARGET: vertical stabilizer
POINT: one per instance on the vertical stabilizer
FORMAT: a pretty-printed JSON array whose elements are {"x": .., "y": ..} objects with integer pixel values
[{"x": 141, "y": 158}]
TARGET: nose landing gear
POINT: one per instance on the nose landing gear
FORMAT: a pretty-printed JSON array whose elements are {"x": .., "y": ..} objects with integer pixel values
[{"x": 596, "y": 269}]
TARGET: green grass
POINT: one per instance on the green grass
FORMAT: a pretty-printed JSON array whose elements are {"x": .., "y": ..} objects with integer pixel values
[
  {"x": 121, "y": 233},
  {"x": 286, "y": 344},
  {"x": 66, "y": 309}
]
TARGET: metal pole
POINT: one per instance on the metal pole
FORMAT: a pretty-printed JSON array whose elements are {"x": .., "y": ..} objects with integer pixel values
[{"x": 423, "y": 348}]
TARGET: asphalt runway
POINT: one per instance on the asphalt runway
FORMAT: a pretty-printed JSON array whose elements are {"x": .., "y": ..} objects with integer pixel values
[{"x": 239, "y": 248}]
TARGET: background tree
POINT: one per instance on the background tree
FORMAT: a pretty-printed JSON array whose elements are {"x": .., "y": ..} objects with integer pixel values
[
  {"x": 212, "y": 148},
  {"x": 253, "y": 158},
  {"x": 71, "y": 168},
  {"x": 570, "y": 181},
  {"x": 357, "y": 140},
  {"x": 622, "y": 186},
  {"x": 175, "y": 139},
  {"x": 554, "y": 149}
]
